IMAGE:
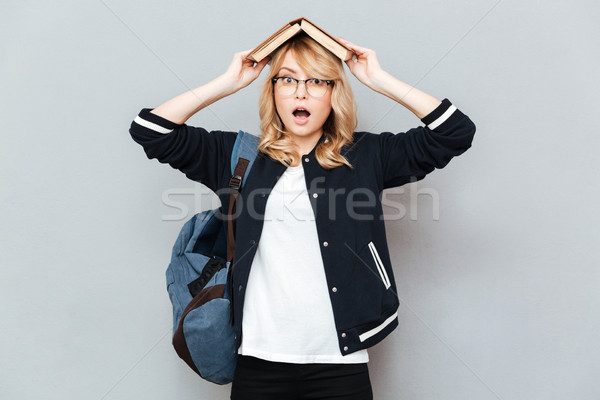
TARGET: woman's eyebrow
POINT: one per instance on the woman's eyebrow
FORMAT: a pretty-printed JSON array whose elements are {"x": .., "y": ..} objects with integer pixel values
[{"x": 288, "y": 69}]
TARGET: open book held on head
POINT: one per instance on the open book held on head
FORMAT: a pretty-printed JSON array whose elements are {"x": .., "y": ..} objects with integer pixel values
[{"x": 291, "y": 29}]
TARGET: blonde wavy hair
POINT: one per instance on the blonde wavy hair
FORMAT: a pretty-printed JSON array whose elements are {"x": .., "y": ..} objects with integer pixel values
[{"x": 276, "y": 141}]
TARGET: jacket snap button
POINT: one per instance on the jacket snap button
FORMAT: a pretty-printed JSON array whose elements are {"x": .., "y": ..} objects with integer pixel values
[
  {"x": 252, "y": 242},
  {"x": 345, "y": 348},
  {"x": 334, "y": 289},
  {"x": 325, "y": 244},
  {"x": 315, "y": 195},
  {"x": 306, "y": 159},
  {"x": 262, "y": 195},
  {"x": 344, "y": 334}
]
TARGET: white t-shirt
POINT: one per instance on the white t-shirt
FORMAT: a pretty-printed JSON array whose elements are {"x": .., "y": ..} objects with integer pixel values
[{"x": 287, "y": 310}]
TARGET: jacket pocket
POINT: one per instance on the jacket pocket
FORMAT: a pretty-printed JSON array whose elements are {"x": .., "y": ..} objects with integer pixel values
[{"x": 380, "y": 268}]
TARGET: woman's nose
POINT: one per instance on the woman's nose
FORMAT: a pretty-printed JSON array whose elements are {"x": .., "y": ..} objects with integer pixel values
[{"x": 301, "y": 90}]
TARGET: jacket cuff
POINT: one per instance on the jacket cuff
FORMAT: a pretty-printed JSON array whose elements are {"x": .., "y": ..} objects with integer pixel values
[
  {"x": 442, "y": 116},
  {"x": 154, "y": 122}
]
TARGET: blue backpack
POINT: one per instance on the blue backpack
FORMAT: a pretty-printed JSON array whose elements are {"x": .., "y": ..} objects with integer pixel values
[{"x": 199, "y": 277}]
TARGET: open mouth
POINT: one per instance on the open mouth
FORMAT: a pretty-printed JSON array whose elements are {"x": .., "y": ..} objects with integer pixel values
[{"x": 301, "y": 115}]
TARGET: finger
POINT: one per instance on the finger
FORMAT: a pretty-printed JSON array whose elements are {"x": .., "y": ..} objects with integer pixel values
[
  {"x": 259, "y": 67},
  {"x": 357, "y": 49},
  {"x": 350, "y": 63},
  {"x": 347, "y": 43},
  {"x": 245, "y": 52}
]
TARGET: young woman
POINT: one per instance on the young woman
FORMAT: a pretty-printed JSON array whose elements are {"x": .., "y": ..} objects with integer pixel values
[{"x": 313, "y": 286}]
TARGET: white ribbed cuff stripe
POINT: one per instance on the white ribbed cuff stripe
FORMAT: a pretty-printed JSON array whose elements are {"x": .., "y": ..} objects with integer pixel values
[
  {"x": 151, "y": 125},
  {"x": 442, "y": 118}
]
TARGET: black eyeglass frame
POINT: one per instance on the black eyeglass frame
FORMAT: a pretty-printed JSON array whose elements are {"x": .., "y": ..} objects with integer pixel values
[{"x": 327, "y": 81}]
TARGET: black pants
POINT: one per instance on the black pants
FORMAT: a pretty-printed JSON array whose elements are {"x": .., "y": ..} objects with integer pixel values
[{"x": 257, "y": 379}]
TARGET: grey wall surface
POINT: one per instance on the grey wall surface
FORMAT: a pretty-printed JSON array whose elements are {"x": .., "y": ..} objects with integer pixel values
[{"x": 496, "y": 257}]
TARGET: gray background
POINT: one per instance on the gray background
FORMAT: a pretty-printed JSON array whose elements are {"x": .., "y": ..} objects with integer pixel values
[{"x": 499, "y": 293}]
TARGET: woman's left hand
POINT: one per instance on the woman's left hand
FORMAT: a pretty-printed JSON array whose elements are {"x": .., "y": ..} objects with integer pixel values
[{"x": 366, "y": 68}]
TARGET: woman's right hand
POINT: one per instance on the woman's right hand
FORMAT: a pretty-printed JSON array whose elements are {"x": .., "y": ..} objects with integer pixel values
[{"x": 241, "y": 72}]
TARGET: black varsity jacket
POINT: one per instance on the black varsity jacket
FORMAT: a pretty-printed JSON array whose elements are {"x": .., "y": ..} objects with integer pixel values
[{"x": 346, "y": 203}]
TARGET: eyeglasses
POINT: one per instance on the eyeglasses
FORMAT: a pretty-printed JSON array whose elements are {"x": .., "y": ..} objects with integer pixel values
[{"x": 287, "y": 86}]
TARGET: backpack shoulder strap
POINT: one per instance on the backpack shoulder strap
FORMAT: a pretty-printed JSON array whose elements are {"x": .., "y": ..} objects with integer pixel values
[
  {"x": 245, "y": 147},
  {"x": 242, "y": 157}
]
